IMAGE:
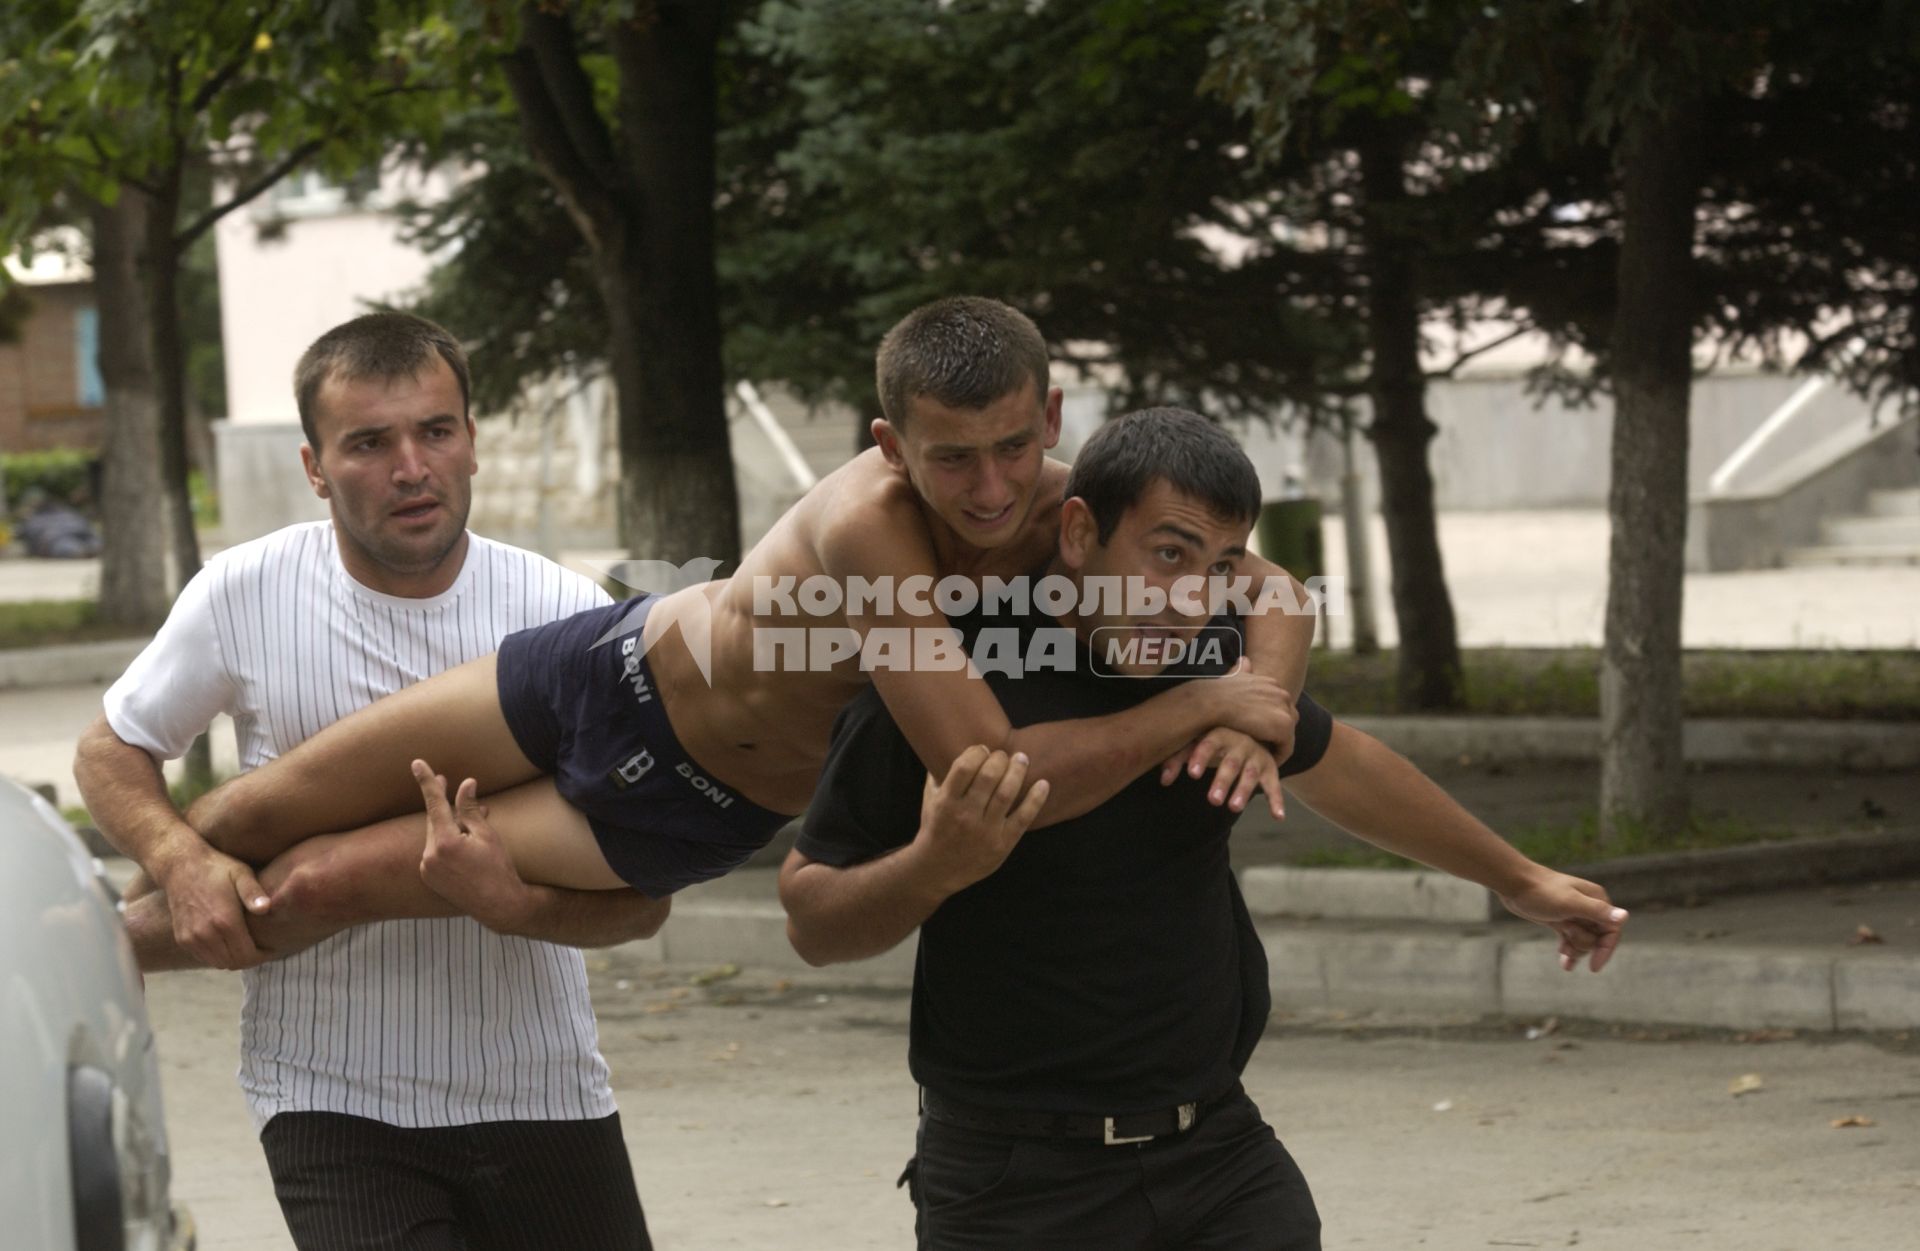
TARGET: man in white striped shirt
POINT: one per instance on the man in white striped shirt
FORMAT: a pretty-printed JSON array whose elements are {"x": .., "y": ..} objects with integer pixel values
[{"x": 419, "y": 1083}]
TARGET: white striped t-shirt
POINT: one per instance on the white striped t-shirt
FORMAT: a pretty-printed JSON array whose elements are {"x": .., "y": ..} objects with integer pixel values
[{"x": 414, "y": 1023}]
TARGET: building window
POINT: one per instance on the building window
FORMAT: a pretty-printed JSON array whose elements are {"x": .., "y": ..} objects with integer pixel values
[
  {"x": 90, "y": 392},
  {"x": 309, "y": 193}
]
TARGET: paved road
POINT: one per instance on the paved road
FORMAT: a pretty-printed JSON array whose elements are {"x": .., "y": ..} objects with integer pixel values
[{"x": 775, "y": 1113}]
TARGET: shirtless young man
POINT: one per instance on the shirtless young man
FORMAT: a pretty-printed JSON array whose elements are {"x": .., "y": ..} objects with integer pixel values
[{"x": 959, "y": 484}]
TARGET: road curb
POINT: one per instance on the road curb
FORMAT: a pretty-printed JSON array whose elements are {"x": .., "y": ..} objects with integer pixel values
[
  {"x": 1481, "y": 968},
  {"x": 1664, "y": 877},
  {"x": 1675, "y": 877},
  {"x": 67, "y": 664},
  {"x": 1856, "y": 746},
  {"x": 1369, "y": 894}
]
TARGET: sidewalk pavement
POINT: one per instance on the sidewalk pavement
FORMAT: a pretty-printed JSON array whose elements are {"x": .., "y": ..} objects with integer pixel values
[{"x": 1818, "y": 958}]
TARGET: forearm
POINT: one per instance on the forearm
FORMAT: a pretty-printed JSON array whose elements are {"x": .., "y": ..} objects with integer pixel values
[
  {"x": 589, "y": 918},
  {"x": 126, "y": 796},
  {"x": 1279, "y": 643},
  {"x": 836, "y": 915},
  {"x": 1376, "y": 794},
  {"x": 1090, "y": 760}
]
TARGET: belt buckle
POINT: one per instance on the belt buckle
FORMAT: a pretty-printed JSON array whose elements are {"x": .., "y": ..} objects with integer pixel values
[{"x": 1184, "y": 1116}]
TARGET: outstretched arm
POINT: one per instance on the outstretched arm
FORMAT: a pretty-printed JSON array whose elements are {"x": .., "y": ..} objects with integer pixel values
[{"x": 1374, "y": 793}]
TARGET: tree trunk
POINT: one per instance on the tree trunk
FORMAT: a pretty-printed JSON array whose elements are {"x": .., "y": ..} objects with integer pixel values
[
  {"x": 1429, "y": 676},
  {"x": 162, "y": 285},
  {"x": 866, "y": 410},
  {"x": 133, "y": 576},
  {"x": 677, "y": 493},
  {"x": 1642, "y": 772}
]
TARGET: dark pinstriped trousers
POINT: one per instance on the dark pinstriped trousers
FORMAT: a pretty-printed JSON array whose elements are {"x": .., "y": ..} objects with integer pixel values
[{"x": 346, "y": 1183}]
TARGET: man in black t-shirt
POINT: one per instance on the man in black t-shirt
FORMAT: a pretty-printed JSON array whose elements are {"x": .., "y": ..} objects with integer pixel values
[{"x": 1085, "y": 1000}]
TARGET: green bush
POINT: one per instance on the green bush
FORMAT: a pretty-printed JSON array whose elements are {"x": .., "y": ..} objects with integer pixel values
[{"x": 60, "y": 473}]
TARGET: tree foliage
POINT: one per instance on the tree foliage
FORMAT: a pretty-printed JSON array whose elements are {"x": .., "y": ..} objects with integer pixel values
[{"x": 193, "y": 108}]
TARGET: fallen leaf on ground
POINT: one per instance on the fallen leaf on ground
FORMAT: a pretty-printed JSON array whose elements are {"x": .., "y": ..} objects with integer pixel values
[
  {"x": 1864, "y": 934},
  {"x": 1853, "y": 1122},
  {"x": 1746, "y": 1084},
  {"x": 718, "y": 973},
  {"x": 776, "y": 1203}
]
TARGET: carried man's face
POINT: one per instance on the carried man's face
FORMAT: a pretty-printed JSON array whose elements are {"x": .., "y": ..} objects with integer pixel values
[
  {"x": 977, "y": 469},
  {"x": 1166, "y": 541},
  {"x": 395, "y": 465}
]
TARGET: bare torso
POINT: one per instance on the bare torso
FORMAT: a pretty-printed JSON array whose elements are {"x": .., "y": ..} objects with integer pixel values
[{"x": 765, "y": 731}]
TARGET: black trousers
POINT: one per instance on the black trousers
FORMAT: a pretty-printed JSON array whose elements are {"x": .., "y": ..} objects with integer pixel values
[
  {"x": 1226, "y": 1183},
  {"x": 346, "y": 1183}
]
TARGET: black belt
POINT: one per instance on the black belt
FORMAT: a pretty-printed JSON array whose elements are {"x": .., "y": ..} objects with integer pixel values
[{"x": 1078, "y": 1126}]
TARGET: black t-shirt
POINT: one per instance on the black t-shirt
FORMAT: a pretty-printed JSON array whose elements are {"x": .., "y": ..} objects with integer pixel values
[{"x": 1109, "y": 966}]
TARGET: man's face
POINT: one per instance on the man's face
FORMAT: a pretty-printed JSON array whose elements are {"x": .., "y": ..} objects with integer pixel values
[
  {"x": 977, "y": 469},
  {"x": 1165, "y": 537},
  {"x": 394, "y": 463}
]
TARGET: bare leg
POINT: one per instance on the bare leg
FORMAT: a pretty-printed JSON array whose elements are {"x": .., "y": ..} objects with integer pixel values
[
  {"x": 355, "y": 771},
  {"x": 327, "y": 883}
]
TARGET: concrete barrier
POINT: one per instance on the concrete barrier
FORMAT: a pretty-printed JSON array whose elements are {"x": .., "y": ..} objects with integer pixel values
[
  {"x": 1364, "y": 894},
  {"x": 1860, "y": 746},
  {"x": 67, "y": 664}
]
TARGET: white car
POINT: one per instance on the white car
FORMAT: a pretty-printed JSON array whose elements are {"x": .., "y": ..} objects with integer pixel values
[{"x": 85, "y": 1150}]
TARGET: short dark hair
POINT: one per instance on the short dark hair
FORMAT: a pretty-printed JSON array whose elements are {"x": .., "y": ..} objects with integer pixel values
[
  {"x": 964, "y": 351},
  {"x": 1128, "y": 454},
  {"x": 376, "y": 346}
]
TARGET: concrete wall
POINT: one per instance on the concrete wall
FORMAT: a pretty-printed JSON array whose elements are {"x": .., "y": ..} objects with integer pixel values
[
  {"x": 1756, "y": 529},
  {"x": 262, "y": 486},
  {"x": 1497, "y": 450}
]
